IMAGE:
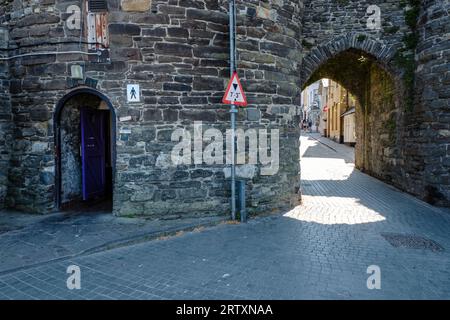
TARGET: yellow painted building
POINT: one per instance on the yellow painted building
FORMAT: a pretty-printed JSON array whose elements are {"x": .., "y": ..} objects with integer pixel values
[
  {"x": 339, "y": 100},
  {"x": 336, "y": 113}
]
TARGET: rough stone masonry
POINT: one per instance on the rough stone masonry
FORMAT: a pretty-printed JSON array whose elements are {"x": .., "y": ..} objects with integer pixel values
[{"x": 178, "y": 52}]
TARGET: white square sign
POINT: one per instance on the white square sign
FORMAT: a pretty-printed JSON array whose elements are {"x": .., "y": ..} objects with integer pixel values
[{"x": 133, "y": 93}]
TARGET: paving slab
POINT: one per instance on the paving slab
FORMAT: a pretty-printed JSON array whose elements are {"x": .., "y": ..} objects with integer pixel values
[{"x": 27, "y": 240}]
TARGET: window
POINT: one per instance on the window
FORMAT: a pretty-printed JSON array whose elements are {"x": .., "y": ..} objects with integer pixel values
[{"x": 97, "y": 5}]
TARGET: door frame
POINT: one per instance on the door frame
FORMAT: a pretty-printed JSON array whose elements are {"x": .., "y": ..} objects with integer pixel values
[{"x": 57, "y": 137}]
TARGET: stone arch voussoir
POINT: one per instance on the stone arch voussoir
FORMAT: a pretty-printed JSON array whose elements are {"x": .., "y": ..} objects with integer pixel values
[{"x": 321, "y": 53}]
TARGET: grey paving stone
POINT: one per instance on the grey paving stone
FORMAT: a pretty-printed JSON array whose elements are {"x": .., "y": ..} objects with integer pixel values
[{"x": 320, "y": 250}]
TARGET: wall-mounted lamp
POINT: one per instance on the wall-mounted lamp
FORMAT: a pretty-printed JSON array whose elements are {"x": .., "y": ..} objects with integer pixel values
[{"x": 76, "y": 72}]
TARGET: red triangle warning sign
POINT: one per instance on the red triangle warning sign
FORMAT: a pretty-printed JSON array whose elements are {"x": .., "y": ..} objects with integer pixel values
[{"x": 235, "y": 94}]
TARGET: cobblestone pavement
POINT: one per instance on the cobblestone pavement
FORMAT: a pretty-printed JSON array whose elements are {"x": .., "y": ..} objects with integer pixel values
[{"x": 320, "y": 250}]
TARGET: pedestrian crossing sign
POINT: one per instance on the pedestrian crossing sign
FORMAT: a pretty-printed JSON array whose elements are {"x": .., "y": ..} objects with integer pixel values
[
  {"x": 133, "y": 93},
  {"x": 235, "y": 93}
]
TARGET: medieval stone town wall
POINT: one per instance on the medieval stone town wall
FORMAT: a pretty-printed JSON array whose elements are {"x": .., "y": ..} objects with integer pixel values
[
  {"x": 178, "y": 52},
  {"x": 335, "y": 36},
  {"x": 428, "y": 139},
  {"x": 5, "y": 109},
  {"x": 399, "y": 141}
]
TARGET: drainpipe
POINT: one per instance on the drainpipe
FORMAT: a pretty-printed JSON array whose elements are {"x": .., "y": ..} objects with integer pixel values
[{"x": 233, "y": 111}]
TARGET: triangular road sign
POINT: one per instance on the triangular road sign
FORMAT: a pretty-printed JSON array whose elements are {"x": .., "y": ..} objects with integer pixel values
[{"x": 235, "y": 94}]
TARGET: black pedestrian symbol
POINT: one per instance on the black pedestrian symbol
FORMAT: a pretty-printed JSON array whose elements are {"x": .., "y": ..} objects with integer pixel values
[
  {"x": 133, "y": 93},
  {"x": 236, "y": 94}
]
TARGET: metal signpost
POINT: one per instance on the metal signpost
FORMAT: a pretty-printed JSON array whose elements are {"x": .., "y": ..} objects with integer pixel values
[
  {"x": 234, "y": 96},
  {"x": 233, "y": 110}
]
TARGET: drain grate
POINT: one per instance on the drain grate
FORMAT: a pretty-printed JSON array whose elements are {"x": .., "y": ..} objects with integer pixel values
[{"x": 412, "y": 241}]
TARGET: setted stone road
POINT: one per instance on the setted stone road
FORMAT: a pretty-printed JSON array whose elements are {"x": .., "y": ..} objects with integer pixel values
[{"x": 320, "y": 250}]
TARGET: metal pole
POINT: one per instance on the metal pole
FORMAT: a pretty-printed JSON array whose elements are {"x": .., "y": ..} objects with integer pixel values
[{"x": 233, "y": 110}]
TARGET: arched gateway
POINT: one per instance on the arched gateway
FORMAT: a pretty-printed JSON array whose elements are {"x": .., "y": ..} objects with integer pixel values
[{"x": 364, "y": 66}]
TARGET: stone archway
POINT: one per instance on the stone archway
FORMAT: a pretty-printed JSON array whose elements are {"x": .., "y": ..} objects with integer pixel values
[
  {"x": 382, "y": 53},
  {"x": 363, "y": 66},
  {"x": 67, "y": 126}
]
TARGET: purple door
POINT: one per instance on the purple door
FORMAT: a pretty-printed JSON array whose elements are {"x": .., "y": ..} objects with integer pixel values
[{"x": 93, "y": 152}]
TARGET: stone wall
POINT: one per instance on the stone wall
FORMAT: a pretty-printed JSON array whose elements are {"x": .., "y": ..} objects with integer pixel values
[
  {"x": 5, "y": 110},
  {"x": 70, "y": 154},
  {"x": 330, "y": 20},
  {"x": 380, "y": 142},
  {"x": 31, "y": 173},
  {"x": 403, "y": 145},
  {"x": 186, "y": 60},
  {"x": 178, "y": 52},
  {"x": 428, "y": 139}
]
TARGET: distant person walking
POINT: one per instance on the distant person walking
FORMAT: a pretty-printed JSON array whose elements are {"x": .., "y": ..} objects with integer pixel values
[{"x": 310, "y": 126}]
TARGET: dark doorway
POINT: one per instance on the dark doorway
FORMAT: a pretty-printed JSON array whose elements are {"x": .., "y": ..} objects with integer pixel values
[
  {"x": 95, "y": 134},
  {"x": 85, "y": 153}
]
